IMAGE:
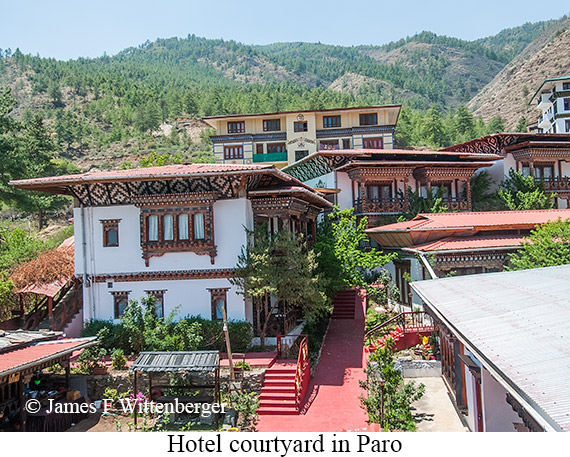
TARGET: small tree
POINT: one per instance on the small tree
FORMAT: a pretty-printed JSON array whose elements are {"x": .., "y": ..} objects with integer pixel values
[
  {"x": 548, "y": 245},
  {"x": 389, "y": 405},
  {"x": 277, "y": 269},
  {"x": 520, "y": 192},
  {"x": 347, "y": 238}
]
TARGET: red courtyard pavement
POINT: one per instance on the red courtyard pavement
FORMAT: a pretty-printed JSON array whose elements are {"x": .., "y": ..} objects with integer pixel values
[{"x": 332, "y": 402}]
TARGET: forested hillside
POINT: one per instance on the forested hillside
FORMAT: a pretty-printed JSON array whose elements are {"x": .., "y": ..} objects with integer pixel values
[{"x": 107, "y": 110}]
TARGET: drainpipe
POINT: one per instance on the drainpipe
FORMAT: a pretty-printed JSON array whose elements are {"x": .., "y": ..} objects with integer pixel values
[{"x": 86, "y": 280}]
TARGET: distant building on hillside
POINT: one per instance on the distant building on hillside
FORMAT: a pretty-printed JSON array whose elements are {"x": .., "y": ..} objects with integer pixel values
[
  {"x": 553, "y": 98},
  {"x": 284, "y": 137}
]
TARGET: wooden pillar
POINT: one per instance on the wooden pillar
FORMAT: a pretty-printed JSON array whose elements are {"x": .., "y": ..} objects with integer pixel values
[
  {"x": 406, "y": 201},
  {"x": 50, "y": 312},
  {"x": 22, "y": 409},
  {"x": 531, "y": 166},
  {"x": 217, "y": 394},
  {"x": 22, "y": 311},
  {"x": 314, "y": 230},
  {"x": 149, "y": 386},
  {"x": 67, "y": 373},
  {"x": 135, "y": 395},
  {"x": 428, "y": 184},
  {"x": 468, "y": 193}
]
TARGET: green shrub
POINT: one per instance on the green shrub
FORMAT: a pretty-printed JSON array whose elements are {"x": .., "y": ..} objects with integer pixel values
[
  {"x": 244, "y": 365},
  {"x": 141, "y": 330},
  {"x": 118, "y": 359},
  {"x": 316, "y": 324}
]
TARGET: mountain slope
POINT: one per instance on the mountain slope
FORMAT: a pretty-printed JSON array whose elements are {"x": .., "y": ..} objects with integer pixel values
[
  {"x": 112, "y": 107},
  {"x": 508, "y": 94}
]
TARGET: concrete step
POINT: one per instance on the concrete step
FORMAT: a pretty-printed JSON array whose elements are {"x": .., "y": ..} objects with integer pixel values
[
  {"x": 278, "y": 404},
  {"x": 279, "y": 389},
  {"x": 277, "y": 411},
  {"x": 264, "y": 396},
  {"x": 279, "y": 383}
]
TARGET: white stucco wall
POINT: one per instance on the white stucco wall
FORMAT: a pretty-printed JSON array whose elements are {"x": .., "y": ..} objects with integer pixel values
[
  {"x": 498, "y": 415},
  {"x": 325, "y": 181},
  {"x": 192, "y": 296},
  {"x": 230, "y": 218},
  {"x": 344, "y": 183},
  {"x": 470, "y": 386}
]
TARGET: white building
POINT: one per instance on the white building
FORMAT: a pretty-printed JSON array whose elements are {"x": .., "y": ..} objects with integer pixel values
[
  {"x": 175, "y": 232},
  {"x": 553, "y": 98}
]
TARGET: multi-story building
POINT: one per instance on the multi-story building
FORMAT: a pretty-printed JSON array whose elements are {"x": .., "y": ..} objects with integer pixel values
[
  {"x": 378, "y": 182},
  {"x": 175, "y": 232},
  {"x": 285, "y": 137},
  {"x": 553, "y": 98},
  {"x": 545, "y": 156}
]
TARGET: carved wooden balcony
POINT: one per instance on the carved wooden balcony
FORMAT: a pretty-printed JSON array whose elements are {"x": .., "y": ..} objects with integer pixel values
[
  {"x": 555, "y": 184},
  {"x": 380, "y": 205},
  {"x": 455, "y": 204}
]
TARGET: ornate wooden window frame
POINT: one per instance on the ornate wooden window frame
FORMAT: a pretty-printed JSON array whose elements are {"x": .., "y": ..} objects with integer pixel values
[
  {"x": 119, "y": 296},
  {"x": 368, "y": 119},
  {"x": 236, "y": 127},
  {"x": 331, "y": 122},
  {"x": 300, "y": 126},
  {"x": 108, "y": 225},
  {"x": 272, "y": 125},
  {"x": 175, "y": 205},
  {"x": 158, "y": 295},
  {"x": 216, "y": 294}
]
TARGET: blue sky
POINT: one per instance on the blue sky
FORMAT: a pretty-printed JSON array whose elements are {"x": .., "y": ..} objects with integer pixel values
[{"x": 70, "y": 28}]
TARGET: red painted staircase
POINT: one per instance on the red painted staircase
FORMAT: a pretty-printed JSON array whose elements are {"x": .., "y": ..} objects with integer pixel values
[
  {"x": 278, "y": 393},
  {"x": 286, "y": 382},
  {"x": 344, "y": 304}
]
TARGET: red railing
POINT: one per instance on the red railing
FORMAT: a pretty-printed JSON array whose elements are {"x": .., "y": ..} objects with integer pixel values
[
  {"x": 409, "y": 321},
  {"x": 303, "y": 372}
]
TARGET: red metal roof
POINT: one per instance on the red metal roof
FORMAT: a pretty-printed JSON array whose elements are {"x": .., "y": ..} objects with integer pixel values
[
  {"x": 459, "y": 243},
  {"x": 145, "y": 173},
  {"x": 13, "y": 360},
  {"x": 475, "y": 220}
]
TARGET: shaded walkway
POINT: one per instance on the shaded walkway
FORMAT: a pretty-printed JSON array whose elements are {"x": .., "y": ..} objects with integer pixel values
[{"x": 332, "y": 403}]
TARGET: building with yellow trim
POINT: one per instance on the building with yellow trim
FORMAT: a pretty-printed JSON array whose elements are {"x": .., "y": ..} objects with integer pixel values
[{"x": 285, "y": 137}]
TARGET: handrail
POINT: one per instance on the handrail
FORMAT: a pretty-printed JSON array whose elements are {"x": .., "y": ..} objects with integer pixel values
[
  {"x": 303, "y": 366},
  {"x": 400, "y": 318}
]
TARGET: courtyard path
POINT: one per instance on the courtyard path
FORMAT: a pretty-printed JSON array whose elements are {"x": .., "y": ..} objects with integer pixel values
[{"x": 332, "y": 403}]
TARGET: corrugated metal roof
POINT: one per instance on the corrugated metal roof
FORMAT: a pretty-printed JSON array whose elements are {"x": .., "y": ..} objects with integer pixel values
[
  {"x": 20, "y": 358},
  {"x": 177, "y": 361},
  {"x": 519, "y": 322},
  {"x": 10, "y": 339}
]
